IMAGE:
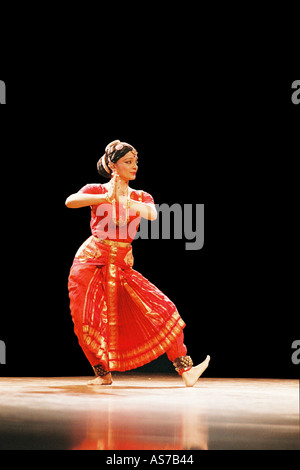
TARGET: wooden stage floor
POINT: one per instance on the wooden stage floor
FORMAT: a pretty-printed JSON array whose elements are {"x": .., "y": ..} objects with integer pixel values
[{"x": 153, "y": 412}]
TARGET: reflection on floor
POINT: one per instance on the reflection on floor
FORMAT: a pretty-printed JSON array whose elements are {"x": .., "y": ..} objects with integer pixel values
[{"x": 154, "y": 412}]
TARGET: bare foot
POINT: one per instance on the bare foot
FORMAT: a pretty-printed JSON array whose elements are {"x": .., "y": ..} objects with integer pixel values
[
  {"x": 106, "y": 380},
  {"x": 191, "y": 376}
]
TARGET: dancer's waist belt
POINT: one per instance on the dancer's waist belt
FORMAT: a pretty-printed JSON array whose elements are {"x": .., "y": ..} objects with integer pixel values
[
  {"x": 99, "y": 252},
  {"x": 113, "y": 242}
]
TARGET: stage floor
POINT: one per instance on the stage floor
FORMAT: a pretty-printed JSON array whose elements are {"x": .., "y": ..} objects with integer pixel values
[{"x": 153, "y": 412}]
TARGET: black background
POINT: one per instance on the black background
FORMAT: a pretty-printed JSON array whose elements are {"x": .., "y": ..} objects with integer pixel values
[{"x": 228, "y": 140}]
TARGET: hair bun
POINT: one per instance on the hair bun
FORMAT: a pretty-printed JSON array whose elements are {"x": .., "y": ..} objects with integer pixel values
[
  {"x": 103, "y": 168},
  {"x": 111, "y": 146}
]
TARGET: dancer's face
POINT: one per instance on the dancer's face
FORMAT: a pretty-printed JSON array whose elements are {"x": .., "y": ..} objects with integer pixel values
[{"x": 127, "y": 166}]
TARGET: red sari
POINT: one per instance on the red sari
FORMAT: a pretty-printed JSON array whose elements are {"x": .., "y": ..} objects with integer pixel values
[{"x": 121, "y": 319}]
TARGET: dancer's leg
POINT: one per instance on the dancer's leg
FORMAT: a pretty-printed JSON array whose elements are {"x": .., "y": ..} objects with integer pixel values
[
  {"x": 183, "y": 364},
  {"x": 84, "y": 283},
  {"x": 103, "y": 377},
  {"x": 177, "y": 349}
]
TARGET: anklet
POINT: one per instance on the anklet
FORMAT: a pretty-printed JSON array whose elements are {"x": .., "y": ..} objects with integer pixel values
[
  {"x": 100, "y": 371},
  {"x": 183, "y": 364}
]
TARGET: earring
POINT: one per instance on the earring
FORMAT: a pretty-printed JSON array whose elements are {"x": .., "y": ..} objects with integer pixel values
[{"x": 114, "y": 171}]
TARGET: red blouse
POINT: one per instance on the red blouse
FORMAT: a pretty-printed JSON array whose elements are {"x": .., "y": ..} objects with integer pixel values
[{"x": 102, "y": 224}]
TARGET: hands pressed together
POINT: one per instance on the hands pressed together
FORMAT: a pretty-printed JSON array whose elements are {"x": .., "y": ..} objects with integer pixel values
[{"x": 115, "y": 192}]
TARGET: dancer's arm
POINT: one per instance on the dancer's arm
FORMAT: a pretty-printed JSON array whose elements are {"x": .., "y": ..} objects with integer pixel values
[
  {"x": 77, "y": 200},
  {"x": 91, "y": 196},
  {"x": 145, "y": 210}
]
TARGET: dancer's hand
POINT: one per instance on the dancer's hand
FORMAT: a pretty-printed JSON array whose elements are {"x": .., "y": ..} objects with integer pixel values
[
  {"x": 114, "y": 187},
  {"x": 118, "y": 191}
]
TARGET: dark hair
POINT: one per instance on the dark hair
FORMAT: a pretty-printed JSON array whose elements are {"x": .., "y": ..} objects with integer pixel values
[{"x": 113, "y": 152}]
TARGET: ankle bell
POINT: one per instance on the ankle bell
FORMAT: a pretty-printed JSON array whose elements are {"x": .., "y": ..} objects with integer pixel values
[
  {"x": 100, "y": 371},
  {"x": 183, "y": 364}
]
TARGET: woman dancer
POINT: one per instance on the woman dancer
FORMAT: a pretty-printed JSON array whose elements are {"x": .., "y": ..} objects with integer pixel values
[{"x": 122, "y": 321}]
